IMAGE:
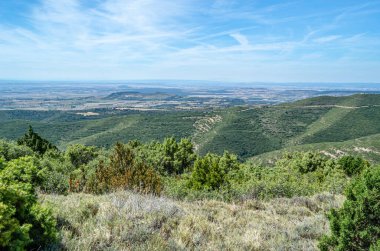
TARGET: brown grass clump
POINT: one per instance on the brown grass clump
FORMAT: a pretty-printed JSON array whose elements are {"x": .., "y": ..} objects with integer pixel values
[{"x": 129, "y": 221}]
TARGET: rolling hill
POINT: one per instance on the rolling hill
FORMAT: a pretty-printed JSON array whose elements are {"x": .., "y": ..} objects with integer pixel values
[
  {"x": 246, "y": 131},
  {"x": 367, "y": 147}
]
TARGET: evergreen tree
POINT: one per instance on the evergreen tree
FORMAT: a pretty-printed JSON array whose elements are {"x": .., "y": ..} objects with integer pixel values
[
  {"x": 170, "y": 147},
  {"x": 35, "y": 142},
  {"x": 184, "y": 157}
]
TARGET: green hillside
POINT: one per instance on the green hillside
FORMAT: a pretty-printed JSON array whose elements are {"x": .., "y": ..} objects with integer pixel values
[
  {"x": 246, "y": 131},
  {"x": 367, "y": 147},
  {"x": 64, "y": 128},
  {"x": 348, "y": 118},
  {"x": 353, "y": 100},
  {"x": 252, "y": 131}
]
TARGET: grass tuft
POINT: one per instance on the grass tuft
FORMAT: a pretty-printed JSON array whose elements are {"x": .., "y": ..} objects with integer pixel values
[{"x": 129, "y": 221}]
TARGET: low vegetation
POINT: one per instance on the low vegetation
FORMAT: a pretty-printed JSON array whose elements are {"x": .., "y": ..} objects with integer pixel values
[
  {"x": 164, "y": 195},
  {"x": 128, "y": 221}
]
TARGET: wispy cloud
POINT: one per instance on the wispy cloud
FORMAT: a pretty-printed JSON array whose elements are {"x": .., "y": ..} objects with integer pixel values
[
  {"x": 327, "y": 39},
  {"x": 218, "y": 39},
  {"x": 241, "y": 39}
]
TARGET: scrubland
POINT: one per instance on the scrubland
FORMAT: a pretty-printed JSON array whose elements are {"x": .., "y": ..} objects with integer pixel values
[{"x": 128, "y": 221}]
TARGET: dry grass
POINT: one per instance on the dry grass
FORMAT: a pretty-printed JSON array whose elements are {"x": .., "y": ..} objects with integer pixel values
[{"x": 128, "y": 221}]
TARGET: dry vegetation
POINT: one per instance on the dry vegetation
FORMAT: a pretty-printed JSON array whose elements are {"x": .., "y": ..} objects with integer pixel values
[{"x": 129, "y": 221}]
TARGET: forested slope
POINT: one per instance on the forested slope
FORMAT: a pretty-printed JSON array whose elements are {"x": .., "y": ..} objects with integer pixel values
[{"x": 246, "y": 131}]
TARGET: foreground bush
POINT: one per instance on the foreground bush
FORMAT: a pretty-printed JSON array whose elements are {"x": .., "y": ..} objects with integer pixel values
[
  {"x": 24, "y": 224},
  {"x": 210, "y": 180},
  {"x": 352, "y": 165},
  {"x": 168, "y": 158},
  {"x": 10, "y": 150},
  {"x": 356, "y": 226},
  {"x": 296, "y": 174},
  {"x": 56, "y": 169},
  {"x": 124, "y": 172},
  {"x": 211, "y": 171}
]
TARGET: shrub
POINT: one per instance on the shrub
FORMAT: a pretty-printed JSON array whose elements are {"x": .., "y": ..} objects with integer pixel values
[
  {"x": 184, "y": 156},
  {"x": 152, "y": 154},
  {"x": 352, "y": 165},
  {"x": 296, "y": 174},
  {"x": 80, "y": 155},
  {"x": 57, "y": 170},
  {"x": 305, "y": 162},
  {"x": 24, "y": 223},
  {"x": 169, "y": 158},
  {"x": 356, "y": 225},
  {"x": 255, "y": 182},
  {"x": 10, "y": 150},
  {"x": 22, "y": 170},
  {"x": 124, "y": 172},
  {"x": 211, "y": 171},
  {"x": 248, "y": 181},
  {"x": 178, "y": 157}
]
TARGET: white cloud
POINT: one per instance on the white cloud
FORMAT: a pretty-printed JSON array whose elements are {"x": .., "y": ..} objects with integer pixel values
[
  {"x": 327, "y": 39},
  {"x": 241, "y": 39},
  {"x": 120, "y": 39}
]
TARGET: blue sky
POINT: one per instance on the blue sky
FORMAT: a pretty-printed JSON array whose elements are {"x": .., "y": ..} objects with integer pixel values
[{"x": 222, "y": 40}]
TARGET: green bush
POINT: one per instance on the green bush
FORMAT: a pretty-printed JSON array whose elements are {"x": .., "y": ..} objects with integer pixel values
[
  {"x": 10, "y": 150},
  {"x": 211, "y": 171},
  {"x": 255, "y": 182},
  {"x": 286, "y": 179},
  {"x": 169, "y": 158},
  {"x": 81, "y": 155},
  {"x": 178, "y": 156},
  {"x": 178, "y": 188},
  {"x": 305, "y": 162},
  {"x": 296, "y": 174},
  {"x": 57, "y": 170},
  {"x": 24, "y": 224},
  {"x": 356, "y": 226},
  {"x": 152, "y": 154},
  {"x": 352, "y": 165},
  {"x": 22, "y": 170}
]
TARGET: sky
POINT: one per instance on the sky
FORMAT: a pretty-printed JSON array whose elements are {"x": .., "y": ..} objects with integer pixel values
[{"x": 214, "y": 40}]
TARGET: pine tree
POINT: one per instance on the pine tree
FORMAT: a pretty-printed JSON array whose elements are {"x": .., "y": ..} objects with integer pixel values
[{"x": 35, "y": 142}]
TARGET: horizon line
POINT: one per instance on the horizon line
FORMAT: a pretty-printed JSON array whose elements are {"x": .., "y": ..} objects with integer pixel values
[{"x": 186, "y": 80}]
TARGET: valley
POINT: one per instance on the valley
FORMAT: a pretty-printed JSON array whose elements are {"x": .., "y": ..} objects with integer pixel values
[{"x": 246, "y": 131}]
